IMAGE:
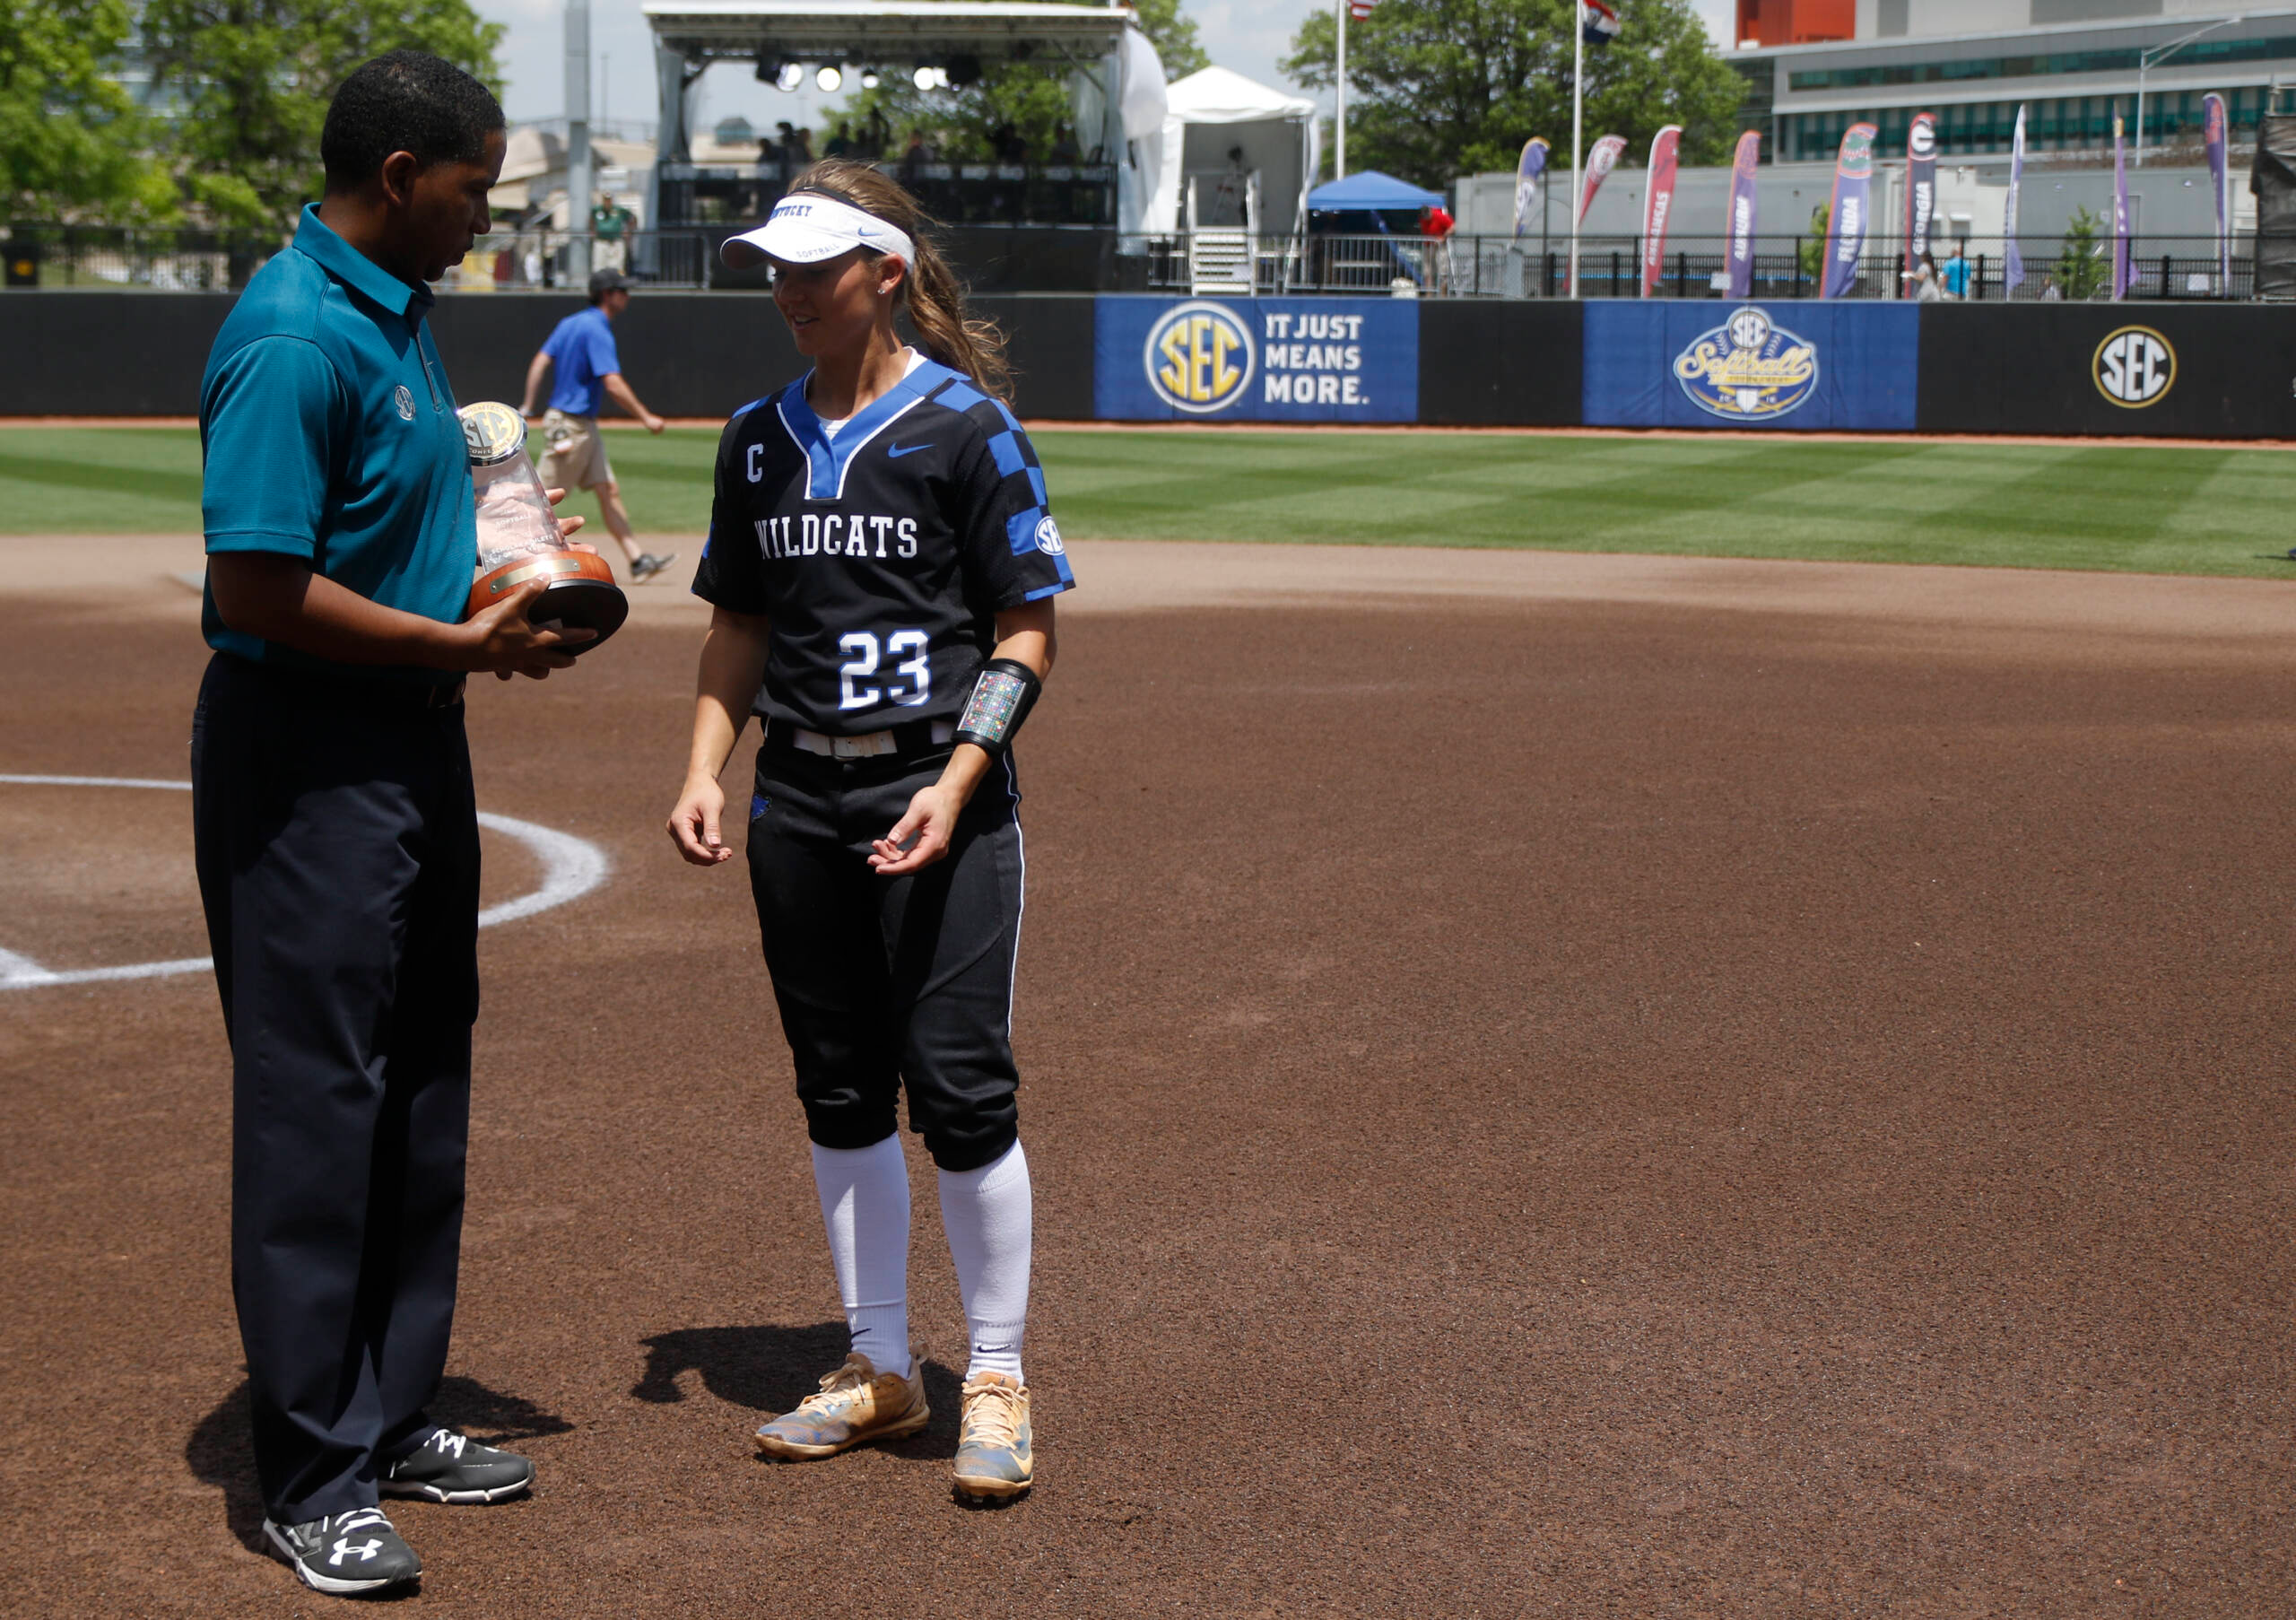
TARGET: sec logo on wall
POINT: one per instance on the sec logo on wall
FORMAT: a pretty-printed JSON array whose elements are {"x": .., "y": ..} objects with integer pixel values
[
  {"x": 2134, "y": 367},
  {"x": 1748, "y": 368},
  {"x": 1200, "y": 358}
]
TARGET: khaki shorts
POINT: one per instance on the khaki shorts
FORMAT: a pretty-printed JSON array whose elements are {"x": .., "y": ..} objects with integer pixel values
[{"x": 575, "y": 456}]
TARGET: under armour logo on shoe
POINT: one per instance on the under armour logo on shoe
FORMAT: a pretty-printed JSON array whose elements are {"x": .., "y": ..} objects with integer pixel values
[{"x": 343, "y": 1549}]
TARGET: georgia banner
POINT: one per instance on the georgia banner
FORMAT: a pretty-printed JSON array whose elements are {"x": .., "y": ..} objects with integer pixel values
[
  {"x": 1530, "y": 179},
  {"x": 1848, "y": 219},
  {"x": 2211, "y": 135},
  {"x": 1743, "y": 190},
  {"x": 2012, "y": 257},
  {"x": 1657, "y": 203},
  {"x": 1920, "y": 189},
  {"x": 1600, "y": 162}
]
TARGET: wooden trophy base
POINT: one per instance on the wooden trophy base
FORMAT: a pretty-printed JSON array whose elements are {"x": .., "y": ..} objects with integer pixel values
[{"x": 581, "y": 594}]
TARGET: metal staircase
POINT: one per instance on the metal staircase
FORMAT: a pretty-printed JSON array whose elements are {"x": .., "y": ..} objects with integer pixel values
[{"x": 1222, "y": 259}]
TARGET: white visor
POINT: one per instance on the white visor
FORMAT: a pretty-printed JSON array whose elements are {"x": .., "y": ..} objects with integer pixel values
[{"x": 806, "y": 227}]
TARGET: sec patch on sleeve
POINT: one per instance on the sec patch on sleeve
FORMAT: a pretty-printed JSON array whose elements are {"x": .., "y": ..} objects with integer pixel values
[{"x": 1049, "y": 536}]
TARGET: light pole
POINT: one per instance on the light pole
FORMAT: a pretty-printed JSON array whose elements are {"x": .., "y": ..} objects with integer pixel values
[{"x": 2145, "y": 59}]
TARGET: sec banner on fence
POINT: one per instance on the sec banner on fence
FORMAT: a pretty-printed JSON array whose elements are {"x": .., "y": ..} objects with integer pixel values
[
  {"x": 1689, "y": 363},
  {"x": 1255, "y": 359}
]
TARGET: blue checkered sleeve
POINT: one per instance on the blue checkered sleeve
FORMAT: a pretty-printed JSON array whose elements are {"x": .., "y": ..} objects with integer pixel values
[{"x": 1013, "y": 548}]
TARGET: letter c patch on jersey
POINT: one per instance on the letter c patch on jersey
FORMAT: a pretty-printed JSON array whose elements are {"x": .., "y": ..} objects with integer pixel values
[
  {"x": 1049, "y": 536},
  {"x": 756, "y": 472}
]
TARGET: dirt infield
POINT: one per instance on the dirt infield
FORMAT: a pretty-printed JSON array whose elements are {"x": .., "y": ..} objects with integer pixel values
[{"x": 1558, "y": 1086}]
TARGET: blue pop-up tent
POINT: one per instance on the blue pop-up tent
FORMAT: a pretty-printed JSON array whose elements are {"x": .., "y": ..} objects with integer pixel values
[{"x": 1368, "y": 191}]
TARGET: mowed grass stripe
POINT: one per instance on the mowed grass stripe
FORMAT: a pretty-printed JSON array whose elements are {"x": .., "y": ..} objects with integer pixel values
[{"x": 2203, "y": 510}]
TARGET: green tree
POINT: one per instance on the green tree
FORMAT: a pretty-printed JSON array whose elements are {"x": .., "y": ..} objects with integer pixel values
[
  {"x": 1811, "y": 250},
  {"x": 1440, "y": 88},
  {"x": 2082, "y": 261},
  {"x": 71, "y": 141},
  {"x": 256, "y": 77},
  {"x": 1033, "y": 97}
]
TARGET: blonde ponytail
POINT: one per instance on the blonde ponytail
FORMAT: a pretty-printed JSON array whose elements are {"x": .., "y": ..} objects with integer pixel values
[{"x": 932, "y": 296}]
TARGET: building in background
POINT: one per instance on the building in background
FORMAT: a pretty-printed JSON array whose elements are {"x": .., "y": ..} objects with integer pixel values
[
  {"x": 2073, "y": 63},
  {"x": 1795, "y": 22}
]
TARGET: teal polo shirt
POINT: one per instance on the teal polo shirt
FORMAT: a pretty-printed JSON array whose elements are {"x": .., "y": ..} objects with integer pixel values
[{"x": 328, "y": 433}]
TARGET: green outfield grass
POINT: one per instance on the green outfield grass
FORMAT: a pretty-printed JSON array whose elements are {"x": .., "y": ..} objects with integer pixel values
[{"x": 2156, "y": 510}]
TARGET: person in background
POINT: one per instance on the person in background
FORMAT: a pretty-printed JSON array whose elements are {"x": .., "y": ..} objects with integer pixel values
[
  {"x": 610, "y": 227},
  {"x": 1925, "y": 289},
  {"x": 1957, "y": 274},
  {"x": 582, "y": 348}
]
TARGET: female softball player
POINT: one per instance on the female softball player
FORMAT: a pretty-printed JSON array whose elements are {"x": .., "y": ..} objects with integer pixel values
[{"x": 882, "y": 566}]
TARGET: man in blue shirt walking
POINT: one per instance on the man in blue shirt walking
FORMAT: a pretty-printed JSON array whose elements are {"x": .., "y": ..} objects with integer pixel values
[
  {"x": 589, "y": 367},
  {"x": 334, "y": 824}
]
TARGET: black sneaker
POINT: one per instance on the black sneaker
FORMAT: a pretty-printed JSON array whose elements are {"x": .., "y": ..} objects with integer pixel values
[
  {"x": 454, "y": 1467},
  {"x": 648, "y": 565},
  {"x": 353, "y": 1552}
]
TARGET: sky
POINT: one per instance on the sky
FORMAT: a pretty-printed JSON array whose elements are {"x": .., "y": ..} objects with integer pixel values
[{"x": 1248, "y": 36}]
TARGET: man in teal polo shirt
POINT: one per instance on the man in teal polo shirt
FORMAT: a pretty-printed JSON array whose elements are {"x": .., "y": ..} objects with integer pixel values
[{"x": 333, "y": 822}]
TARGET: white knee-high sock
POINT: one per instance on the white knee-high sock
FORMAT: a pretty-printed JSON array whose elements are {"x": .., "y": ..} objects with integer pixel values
[
  {"x": 865, "y": 1206},
  {"x": 989, "y": 1213}
]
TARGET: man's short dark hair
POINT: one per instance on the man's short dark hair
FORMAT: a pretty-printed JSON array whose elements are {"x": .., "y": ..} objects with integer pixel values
[{"x": 405, "y": 101}]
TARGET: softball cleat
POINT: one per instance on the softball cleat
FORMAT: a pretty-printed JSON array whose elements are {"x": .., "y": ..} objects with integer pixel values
[
  {"x": 993, "y": 1453},
  {"x": 345, "y": 1554},
  {"x": 456, "y": 1469},
  {"x": 857, "y": 1404}
]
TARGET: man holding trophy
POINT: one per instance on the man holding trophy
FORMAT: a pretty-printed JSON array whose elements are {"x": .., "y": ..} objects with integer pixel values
[{"x": 332, "y": 814}]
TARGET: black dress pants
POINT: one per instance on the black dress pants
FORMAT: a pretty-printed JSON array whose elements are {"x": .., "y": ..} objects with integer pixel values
[{"x": 337, "y": 848}]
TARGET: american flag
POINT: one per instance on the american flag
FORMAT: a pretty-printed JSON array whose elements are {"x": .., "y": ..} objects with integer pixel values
[{"x": 1599, "y": 23}]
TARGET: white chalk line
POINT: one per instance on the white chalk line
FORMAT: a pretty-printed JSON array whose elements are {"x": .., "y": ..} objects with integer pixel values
[{"x": 572, "y": 867}]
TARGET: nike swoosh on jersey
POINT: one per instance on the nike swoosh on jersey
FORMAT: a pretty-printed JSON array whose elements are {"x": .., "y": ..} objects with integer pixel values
[{"x": 906, "y": 449}]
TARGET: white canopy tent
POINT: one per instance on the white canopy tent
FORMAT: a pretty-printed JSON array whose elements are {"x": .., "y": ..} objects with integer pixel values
[{"x": 1220, "y": 127}]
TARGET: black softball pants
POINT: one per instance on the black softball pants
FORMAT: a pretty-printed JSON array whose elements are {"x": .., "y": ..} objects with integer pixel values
[
  {"x": 887, "y": 984},
  {"x": 337, "y": 849}
]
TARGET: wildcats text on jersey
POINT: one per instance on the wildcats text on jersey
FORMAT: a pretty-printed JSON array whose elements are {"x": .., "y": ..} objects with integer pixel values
[{"x": 837, "y": 535}]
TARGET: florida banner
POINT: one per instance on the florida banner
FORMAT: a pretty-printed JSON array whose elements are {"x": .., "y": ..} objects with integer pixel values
[{"x": 1847, "y": 221}]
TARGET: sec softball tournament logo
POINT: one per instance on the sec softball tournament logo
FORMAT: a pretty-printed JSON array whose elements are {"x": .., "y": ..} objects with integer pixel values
[
  {"x": 1200, "y": 358},
  {"x": 2134, "y": 366},
  {"x": 1748, "y": 368}
]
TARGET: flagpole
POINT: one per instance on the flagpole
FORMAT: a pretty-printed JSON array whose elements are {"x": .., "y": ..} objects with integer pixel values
[
  {"x": 1578, "y": 120},
  {"x": 1340, "y": 156}
]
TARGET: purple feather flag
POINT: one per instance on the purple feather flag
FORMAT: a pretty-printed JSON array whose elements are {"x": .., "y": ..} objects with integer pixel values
[
  {"x": 1846, "y": 224},
  {"x": 1743, "y": 178},
  {"x": 2120, "y": 216},
  {"x": 2012, "y": 275},
  {"x": 2212, "y": 131}
]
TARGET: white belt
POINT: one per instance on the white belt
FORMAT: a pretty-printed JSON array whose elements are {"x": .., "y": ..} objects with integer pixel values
[{"x": 868, "y": 745}]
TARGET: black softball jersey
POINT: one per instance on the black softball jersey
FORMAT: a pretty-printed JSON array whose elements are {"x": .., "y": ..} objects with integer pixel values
[{"x": 882, "y": 553}]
